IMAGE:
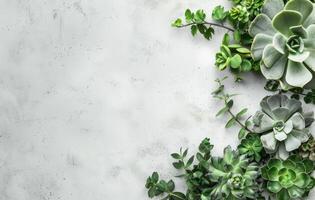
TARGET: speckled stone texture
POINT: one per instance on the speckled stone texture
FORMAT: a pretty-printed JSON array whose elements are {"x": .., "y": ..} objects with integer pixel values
[{"x": 95, "y": 95}]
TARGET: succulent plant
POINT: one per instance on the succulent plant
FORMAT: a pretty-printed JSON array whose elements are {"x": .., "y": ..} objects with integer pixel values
[
  {"x": 240, "y": 14},
  {"x": 283, "y": 125},
  {"x": 289, "y": 179},
  {"x": 253, "y": 6},
  {"x": 251, "y": 146},
  {"x": 284, "y": 41},
  {"x": 307, "y": 149},
  {"x": 234, "y": 176}
]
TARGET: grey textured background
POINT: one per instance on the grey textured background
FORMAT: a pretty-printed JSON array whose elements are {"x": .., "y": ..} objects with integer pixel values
[{"x": 95, "y": 95}]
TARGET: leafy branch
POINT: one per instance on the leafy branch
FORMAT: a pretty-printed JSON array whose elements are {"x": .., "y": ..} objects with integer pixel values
[
  {"x": 220, "y": 94},
  {"x": 197, "y": 23}
]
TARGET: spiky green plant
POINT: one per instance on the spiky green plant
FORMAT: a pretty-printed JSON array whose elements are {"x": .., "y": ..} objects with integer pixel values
[
  {"x": 283, "y": 125},
  {"x": 284, "y": 41},
  {"x": 234, "y": 176},
  {"x": 289, "y": 179}
]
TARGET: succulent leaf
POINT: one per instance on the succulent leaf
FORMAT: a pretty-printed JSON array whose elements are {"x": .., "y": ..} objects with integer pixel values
[{"x": 272, "y": 7}]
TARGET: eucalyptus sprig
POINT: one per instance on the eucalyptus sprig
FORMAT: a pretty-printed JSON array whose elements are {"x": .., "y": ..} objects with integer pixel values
[{"x": 228, "y": 102}]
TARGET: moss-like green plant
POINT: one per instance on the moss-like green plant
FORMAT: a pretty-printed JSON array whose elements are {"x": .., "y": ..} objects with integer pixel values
[
  {"x": 289, "y": 179},
  {"x": 284, "y": 41},
  {"x": 283, "y": 125},
  {"x": 234, "y": 176}
]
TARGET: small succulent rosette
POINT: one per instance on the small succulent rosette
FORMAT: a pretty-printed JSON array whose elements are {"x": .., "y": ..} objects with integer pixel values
[
  {"x": 282, "y": 124},
  {"x": 289, "y": 179},
  {"x": 234, "y": 176},
  {"x": 284, "y": 41}
]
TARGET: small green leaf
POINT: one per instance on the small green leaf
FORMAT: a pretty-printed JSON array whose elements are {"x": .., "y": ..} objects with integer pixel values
[
  {"x": 178, "y": 165},
  {"x": 176, "y": 156},
  {"x": 200, "y": 16},
  {"x": 243, "y": 50},
  {"x": 188, "y": 16},
  {"x": 236, "y": 61},
  {"x": 177, "y": 196},
  {"x": 170, "y": 186},
  {"x": 230, "y": 104},
  {"x": 185, "y": 153},
  {"x": 209, "y": 32},
  {"x": 242, "y": 133},
  {"x": 246, "y": 65},
  {"x": 202, "y": 28},
  {"x": 190, "y": 161},
  {"x": 242, "y": 112},
  {"x": 222, "y": 111},
  {"x": 226, "y": 39},
  {"x": 230, "y": 123},
  {"x": 177, "y": 23},
  {"x": 237, "y": 36},
  {"x": 194, "y": 30},
  {"x": 155, "y": 177}
]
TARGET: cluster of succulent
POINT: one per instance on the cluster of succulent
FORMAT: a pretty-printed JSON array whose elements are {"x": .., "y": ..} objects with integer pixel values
[
  {"x": 276, "y": 152},
  {"x": 290, "y": 178},
  {"x": 233, "y": 176}
]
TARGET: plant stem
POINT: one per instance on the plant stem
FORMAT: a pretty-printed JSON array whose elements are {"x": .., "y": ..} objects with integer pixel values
[
  {"x": 239, "y": 122},
  {"x": 208, "y": 23}
]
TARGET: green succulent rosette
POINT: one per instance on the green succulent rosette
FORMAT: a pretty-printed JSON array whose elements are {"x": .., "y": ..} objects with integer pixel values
[
  {"x": 289, "y": 179},
  {"x": 282, "y": 124},
  {"x": 234, "y": 176},
  {"x": 284, "y": 41}
]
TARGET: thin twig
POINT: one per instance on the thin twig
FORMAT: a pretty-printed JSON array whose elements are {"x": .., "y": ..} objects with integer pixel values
[
  {"x": 239, "y": 122},
  {"x": 208, "y": 23}
]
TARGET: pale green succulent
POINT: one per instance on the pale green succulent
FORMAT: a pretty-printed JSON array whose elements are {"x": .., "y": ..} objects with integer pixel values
[
  {"x": 234, "y": 176},
  {"x": 284, "y": 41},
  {"x": 283, "y": 125}
]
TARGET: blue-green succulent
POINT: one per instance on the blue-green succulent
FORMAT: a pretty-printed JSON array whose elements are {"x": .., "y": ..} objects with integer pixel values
[
  {"x": 284, "y": 41},
  {"x": 282, "y": 124}
]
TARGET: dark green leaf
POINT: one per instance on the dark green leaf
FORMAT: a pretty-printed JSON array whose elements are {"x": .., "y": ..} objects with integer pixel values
[{"x": 194, "y": 30}]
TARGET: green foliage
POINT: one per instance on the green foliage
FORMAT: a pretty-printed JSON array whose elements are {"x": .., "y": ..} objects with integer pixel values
[
  {"x": 196, "y": 22},
  {"x": 234, "y": 176},
  {"x": 219, "y": 14},
  {"x": 289, "y": 179},
  {"x": 239, "y": 14},
  {"x": 157, "y": 187},
  {"x": 226, "y": 98},
  {"x": 252, "y": 147}
]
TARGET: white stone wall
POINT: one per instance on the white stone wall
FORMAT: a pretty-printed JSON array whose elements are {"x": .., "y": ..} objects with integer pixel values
[{"x": 95, "y": 95}]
